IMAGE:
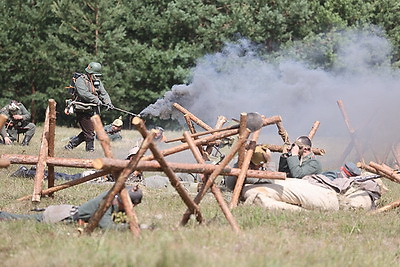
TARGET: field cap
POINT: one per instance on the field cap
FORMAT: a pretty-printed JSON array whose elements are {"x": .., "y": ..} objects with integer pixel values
[
  {"x": 117, "y": 122},
  {"x": 351, "y": 169}
]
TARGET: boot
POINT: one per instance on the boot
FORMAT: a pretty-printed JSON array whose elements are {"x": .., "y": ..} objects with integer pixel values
[
  {"x": 26, "y": 140},
  {"x": 74, "y": 142},
  {"x": 90, "y": 146},
  {"x": 21, "y": 172}
]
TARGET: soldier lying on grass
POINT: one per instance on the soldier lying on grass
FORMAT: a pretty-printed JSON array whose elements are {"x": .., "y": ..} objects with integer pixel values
[
  {"x": 317, "y": 191},
  {"x": 82, "y": 214}
]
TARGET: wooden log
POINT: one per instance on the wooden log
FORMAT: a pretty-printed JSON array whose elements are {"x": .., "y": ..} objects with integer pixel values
[
  {"x": 201, "y": 141},
  {"x": 387, "y": 207},
  {"x": 193, "y": 131},
  {"x": 271, "y": 120},
  {"x": 242, "y": 131},
  {"x": 52, "y": 133},
  {"x": 41, "y": 163},
  {"x": 69, "y": 184},
  {"x": 3, "y": 119},
  {"x": 313, "y": 130},
  {"x": 218, "y": 125},
  {"x": 241, "y": 141},
  {"x": 282, "y": 132},
  {"x": 102, "y": 135},
  {"x": 221, "y": 120},
  {"x": 279, "y": 148},
  {"x": 194, "y": 208},
  {"x": 198, "y": 134},
  {"x": 389, "y": 173},
  {"x": 192, "y": 117},
  {"x": 108, "y": 164},
  {"x": 4, "y": 163},
  {"x": 242, "y": 176},
  {"x": 351, "y": 130},
  {"x": 119, "y": 184},
  {"x": 130, "y": 212},
  {"x": 266, "y": 122},
  {"x": 51, "y": 161},
  {"x": 210, "y": 181},
  {"x": 214, "y": 188}
]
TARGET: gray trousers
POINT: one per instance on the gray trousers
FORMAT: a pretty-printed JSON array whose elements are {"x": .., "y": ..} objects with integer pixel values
[{"x": 11, "y": 216}]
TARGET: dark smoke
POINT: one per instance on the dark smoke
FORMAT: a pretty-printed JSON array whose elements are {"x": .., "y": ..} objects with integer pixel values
[{"x": 242, "y": 79}]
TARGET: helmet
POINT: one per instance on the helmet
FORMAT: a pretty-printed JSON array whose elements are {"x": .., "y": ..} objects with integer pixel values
[
  {"x": 13, "y": 106},
  {"x": 117, "y": 122},
  {"x": 93, "y": 68},
  {"x": 304, "y": 141},
  {"x": 135, "y": 194}
]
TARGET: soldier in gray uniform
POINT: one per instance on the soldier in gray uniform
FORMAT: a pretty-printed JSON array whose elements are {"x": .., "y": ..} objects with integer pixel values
[
  {"x": 18, "y": 122},
  {"x": 82, "y": 213},
  {"x": 299, "y": 161},
  {"x": 89, "y": 95},
  {"x": 113, "y": 130}
]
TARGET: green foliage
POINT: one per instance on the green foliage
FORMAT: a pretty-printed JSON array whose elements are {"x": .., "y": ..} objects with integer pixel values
[{"x": 148, "y": 46}]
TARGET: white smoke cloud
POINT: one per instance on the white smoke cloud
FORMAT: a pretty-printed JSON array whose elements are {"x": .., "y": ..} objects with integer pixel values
[{"x": 238, "y": 79}]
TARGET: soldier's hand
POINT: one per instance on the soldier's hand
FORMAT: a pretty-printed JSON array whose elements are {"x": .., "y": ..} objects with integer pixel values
[
  {"x": 7, "y": 141},
  {"x": 17, "y": 117},
  {"x": 109, "y": 106}
]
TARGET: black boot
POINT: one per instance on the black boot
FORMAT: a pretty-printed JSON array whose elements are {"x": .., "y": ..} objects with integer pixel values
[
  {"x": 27, "y": 139},
  {"x": 90, "y": 146},
  {"x": 74, "y": 142}
]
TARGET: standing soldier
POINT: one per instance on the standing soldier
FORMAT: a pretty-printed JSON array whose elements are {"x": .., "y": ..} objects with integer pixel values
[
  {"x": 89, "y": 95},
  {"x": 18, "y": 122}
]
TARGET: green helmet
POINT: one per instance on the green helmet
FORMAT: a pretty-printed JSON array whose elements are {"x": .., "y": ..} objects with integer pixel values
[{"x": 94, "y": 68}]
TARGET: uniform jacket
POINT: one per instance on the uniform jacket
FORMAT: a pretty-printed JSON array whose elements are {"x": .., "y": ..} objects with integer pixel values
[
  {"x": 26, "y": 116},
  {"x": 113, "y": 135},
  {"x": 87, "y": 93},
  {"x": 294, "y": 169}
]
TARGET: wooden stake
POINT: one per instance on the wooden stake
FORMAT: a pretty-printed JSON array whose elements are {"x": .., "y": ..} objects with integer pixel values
[
  {"x": 242, "y": 131},
  {"x": 214, "y": 189},
  {"x": 193, "y": 207},
  {"x": 313, "y": 130},
  {"x": 242, "y": 176},
  {"x": 41, "y": 164},
  {"x": 387, "y": 207},
  {"x": 4, "y": 163},
  {"x": 192, "y": 117},
  {"x": 130, "y": 212},
  {"x": 216, "y": 172},
  {"x": 68, "y": 184},
  {"x": 3, "y": 119},
  {"x": 102, "y": 135},
  {"x": 52, "y": 133},
  {"x": 119, "y": 184}
]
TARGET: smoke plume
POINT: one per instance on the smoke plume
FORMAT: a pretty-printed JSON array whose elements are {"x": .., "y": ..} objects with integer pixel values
[{"x": 241, "y": 78}]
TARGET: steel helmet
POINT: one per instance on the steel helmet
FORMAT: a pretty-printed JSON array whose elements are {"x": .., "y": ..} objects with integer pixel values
[
  {"x": 94, "y": 68},
  {"x": 304, "y": 141}
]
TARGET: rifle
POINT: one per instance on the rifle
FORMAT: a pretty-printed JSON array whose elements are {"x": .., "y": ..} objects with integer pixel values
[
  {"x": 369, "y": 177},
  {"x": 71, "y": 104}
]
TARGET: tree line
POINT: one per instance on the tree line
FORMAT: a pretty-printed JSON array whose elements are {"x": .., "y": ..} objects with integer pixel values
[{"x": 146, "y": 46}]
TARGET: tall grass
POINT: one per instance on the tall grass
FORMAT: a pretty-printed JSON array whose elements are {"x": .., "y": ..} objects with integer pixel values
[{"x": 314, "y": 238}]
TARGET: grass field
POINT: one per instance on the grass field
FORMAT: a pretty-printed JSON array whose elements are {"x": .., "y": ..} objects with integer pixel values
[{"x": 314, "y": 238}]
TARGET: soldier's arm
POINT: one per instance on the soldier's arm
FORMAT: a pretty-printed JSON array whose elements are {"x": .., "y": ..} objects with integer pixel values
[
  {"x": 104, "y": 96},
  {"x": 26, "y": 115}
]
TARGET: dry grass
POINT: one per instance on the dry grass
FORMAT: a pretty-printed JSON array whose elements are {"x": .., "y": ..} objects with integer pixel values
[{"x": 313, "y": 238}]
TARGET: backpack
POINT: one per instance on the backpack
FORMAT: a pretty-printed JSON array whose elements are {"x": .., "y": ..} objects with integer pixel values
[{"x": 71, "y": 88}]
